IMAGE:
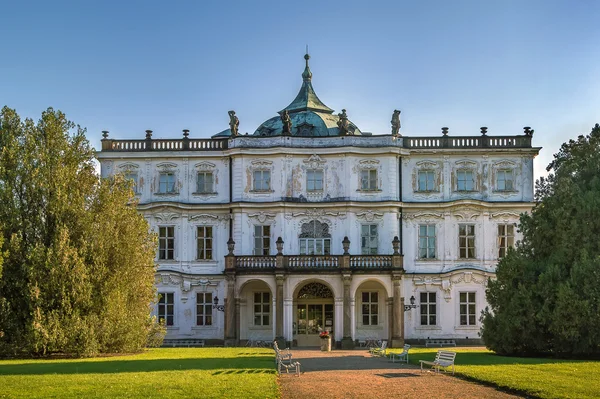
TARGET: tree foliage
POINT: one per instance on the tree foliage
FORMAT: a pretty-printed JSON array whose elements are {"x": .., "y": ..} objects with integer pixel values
[
  {"x": 78, "y": 265},
  {"x": 546, "y": 298}
]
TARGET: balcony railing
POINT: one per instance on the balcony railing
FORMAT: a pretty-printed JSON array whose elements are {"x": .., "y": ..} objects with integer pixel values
[{"x": 314, "y": 262}]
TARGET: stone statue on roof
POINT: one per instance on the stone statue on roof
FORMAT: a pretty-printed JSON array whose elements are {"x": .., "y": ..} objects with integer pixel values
[
  {"x": 287, "y": 123},
  {"x": 234, "y": 123},
  {"x": 396, "y": 123},
  {"x": 343, "y": 123}
]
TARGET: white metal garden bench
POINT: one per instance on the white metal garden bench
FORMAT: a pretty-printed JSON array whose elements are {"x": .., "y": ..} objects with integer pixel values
[
  {"x": 442, "y": 359},
  {"x": 379, "y": 351},
  {"x": 281, "y": 356},
  {"x": 402, "y": 356}
]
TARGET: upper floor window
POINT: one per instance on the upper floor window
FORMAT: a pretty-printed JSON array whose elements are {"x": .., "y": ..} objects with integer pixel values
[
  {"x": 368, "y": 239},
  {"x": 262, "y": 180},
  {"x": 504, "y": 180},
  {"x": 506, "y": 238},
  {"x": 133, "y": 176},
  {"x": 166, "y": 242},
  {"x": 428, "y": 309},
  {"x": 368, "y": 179},
  {"x": 466, "y": 241},
  {"x": 204, "y": 243},
  {"x": 314, "y": 180},
  {"x": 315, "y": 238},
  {"x": 204, "y": 182},
  {"x": 370, "y": 308},
  {"x": 204, "y": 304},
  {"x": 467, "y": 309},
  {"x": 426, "y": 180},
  {"x": 262, "y": 308},
  {"x": 166, "y": 308},
  {"x": 426, "y": 241},
  {"x": 166, "y": 183},
  {"x": 262, "y": 240},
  {"x": 465, "y": 180}
]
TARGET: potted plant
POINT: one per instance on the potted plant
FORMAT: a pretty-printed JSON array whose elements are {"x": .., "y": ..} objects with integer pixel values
[{"x": 325, "y": 340}]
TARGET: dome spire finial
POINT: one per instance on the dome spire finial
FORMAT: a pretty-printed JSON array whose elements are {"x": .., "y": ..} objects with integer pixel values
[{"x": 307, "y": 74}]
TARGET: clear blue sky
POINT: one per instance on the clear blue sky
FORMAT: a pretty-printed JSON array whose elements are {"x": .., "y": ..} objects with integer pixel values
[{"x": 128, "y": 66}]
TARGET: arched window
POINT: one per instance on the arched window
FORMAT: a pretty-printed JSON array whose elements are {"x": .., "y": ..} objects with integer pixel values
[{"x": 315, "y": 238}]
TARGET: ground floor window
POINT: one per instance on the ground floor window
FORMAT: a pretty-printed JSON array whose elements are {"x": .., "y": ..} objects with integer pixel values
[
  {"x": 166, "y": 307},
  {"x": 370, "y": 308},
  {"x": 262, "y": 308},
  {"x": 428, "y": 308},
  {"x": 204, "y": 304},
  {"x": 467, "y": 309}
]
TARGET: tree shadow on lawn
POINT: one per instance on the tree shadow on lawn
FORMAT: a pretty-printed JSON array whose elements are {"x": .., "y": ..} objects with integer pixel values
[
  {"x": 250, "y": 364},
  {"x": 490, "y": 359}
]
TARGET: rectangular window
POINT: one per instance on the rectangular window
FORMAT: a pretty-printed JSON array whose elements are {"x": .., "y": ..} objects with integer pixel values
[
  {"x": 166, "y": 308},
  {"x": 368, "y": 180},
  {"x": 262, "y": 240},
  {"x": 262, "y": 180},
  {"x": 204, "y": 240},
  {"x": 506, "y": 238},
  {"x": 426, "y": 180},
  {"x": 204, "y": 182},
  {"x": 204, "y": 304},
  {"x": 426, "y": 241},
  {"x": 467, "y": 309},
  {"x": 314, "y": 180},
  {"x": 315, "y": 246},
  {"x": 428, "y": 309},
  {"x": 504, "y": 180},
  {"x": 166, "y": 242},
  {"x": 166, "y": 183},
  {"x": 370, "y": 309},
  {"x": 465, "y": 180},
  {"x": 133, "y": 176},
  {"x": 466, "y": 241},
  {"x": 262, "y": 308},
  {"x": 368, "y": 239}
]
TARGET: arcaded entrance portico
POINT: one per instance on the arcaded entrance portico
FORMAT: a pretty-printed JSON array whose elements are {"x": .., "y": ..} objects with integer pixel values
[{"x": 314, "y": 312}]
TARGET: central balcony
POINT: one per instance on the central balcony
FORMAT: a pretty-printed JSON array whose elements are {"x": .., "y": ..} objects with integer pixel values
[{"x": 314, "y": 263}]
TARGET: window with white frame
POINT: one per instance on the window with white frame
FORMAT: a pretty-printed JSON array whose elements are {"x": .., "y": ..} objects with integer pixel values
[
  {"x": 506, "y": 238},
  {"x": 467, "y": 309},
  {"x": 314, "y": 180},
  {"x": 426, "y": 180},
  {"x": 370, "y": 308},
  {"x": 262, "y": 240},
  {"x": 133, "y": 176},
  {"x": 204, "y": 240},
  {"x": 166, "y": 182},
  {"x": 166, "y": 308},
  {"x": 368, "y": 239},
  {"x": 427, "y": 241},
  {"x": 204, "y": 182},
  {"x": 504, "y": 180},
  {"x": 368, "y": 179},
  {"x": 204, "y": 308},
  {"x": 315, "y": 238},
  {"x": 428, "y": 308},
  {"x": 465, "y": 180},
  {"x": 262, "y": 308},
  {"x": 466, "y": 241},
  {"x": 166, "y": 242},
  {"x": 262, "y": 180}
]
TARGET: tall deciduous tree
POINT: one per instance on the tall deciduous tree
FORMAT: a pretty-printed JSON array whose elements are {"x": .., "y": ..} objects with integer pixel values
[
  {"x": 79, "y": 260},
  {"x": 546, "y": 299}
]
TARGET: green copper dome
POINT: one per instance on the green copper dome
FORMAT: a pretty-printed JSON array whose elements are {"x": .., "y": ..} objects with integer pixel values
[{"x": 309, "y": 116}]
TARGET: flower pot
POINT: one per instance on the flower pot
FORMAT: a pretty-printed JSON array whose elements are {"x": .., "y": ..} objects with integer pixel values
[{"x": 326, "y": 344}]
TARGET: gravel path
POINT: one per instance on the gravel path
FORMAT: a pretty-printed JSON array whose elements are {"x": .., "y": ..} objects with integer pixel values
[{"x": 356, "y": 374}]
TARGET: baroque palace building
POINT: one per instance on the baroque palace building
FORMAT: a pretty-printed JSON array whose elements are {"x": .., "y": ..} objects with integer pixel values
[{"x": 310, "y": 224}]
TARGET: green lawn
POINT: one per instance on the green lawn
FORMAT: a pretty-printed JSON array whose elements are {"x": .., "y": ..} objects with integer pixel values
[
  {"x": 157, "y": 373},
  {"x": 544, "y": 378}
]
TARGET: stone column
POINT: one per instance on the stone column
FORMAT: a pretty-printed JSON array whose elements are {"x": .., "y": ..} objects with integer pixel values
[
  {"x": 398, "y": 314},
  {"x": 279, "y": 279},
  {"x": 230, "y": 313},
  {"x": 347, "y": 342}
]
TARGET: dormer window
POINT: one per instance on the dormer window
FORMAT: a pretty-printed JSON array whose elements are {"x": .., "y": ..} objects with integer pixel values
[
  {"x": 465, "y": 180},
  {"x": 166, "y": 183}
]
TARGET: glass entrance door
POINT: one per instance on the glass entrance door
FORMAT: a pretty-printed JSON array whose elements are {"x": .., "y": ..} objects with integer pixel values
[{"x": 311, "y": 319}]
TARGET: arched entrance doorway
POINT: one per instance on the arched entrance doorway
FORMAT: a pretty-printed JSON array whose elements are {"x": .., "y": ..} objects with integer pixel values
[{"x": 314, "y": 312}]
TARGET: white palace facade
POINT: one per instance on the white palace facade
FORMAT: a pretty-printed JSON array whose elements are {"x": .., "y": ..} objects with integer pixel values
[{"x": 309, "y": 224}]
